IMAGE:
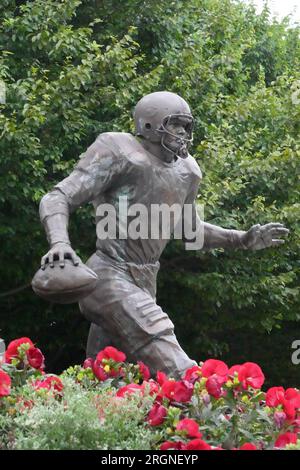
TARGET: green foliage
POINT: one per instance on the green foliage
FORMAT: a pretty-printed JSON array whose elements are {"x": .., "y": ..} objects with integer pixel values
[
  {"x": 84, "y": 419},
  {"x": 80, "y": 411},
  {"x": 76, "y": 68}
]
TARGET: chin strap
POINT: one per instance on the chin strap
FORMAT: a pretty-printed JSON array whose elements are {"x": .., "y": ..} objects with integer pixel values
[{"x": 181, "y": 152}]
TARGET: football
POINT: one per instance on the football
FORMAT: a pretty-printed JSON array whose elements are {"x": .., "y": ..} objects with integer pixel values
[{"x": 65, "y": 285}]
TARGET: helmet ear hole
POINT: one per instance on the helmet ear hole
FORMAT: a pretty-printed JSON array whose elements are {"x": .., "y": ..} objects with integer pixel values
[{"x": 148, "y": 125}]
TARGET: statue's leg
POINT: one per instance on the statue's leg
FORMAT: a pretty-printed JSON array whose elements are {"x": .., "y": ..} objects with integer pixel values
[
  {"x": 98, "y": 339},
  {"x": 148, "y": 335},
  {"x": 139, "y": 327},
  {"x": 131, "y": 317}
]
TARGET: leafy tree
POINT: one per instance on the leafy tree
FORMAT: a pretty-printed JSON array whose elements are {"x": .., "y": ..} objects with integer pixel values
[{"x": 76, "y": 68}]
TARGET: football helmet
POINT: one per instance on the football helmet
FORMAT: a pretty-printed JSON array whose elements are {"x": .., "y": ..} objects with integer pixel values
[{"x": 156, "y": 111}]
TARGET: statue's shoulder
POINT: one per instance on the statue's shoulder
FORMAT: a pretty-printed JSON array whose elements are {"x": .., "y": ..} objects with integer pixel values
[
  {"x": 193, "y": 167},
  {"x": 113, "y": 139},
  {"x": 122, "y": 145}
]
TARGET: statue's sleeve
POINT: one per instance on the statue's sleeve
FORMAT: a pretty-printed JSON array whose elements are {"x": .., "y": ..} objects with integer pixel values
[{"x": 97, "y": 170}]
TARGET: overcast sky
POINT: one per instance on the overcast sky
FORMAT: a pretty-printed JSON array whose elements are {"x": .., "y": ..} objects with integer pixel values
[{"x": 280, "y": 7}]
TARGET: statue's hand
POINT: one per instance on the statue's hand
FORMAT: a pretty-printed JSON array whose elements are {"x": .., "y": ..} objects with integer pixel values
[
  {"x": 263, "y": 236},
  {"x": 60, "y": 251}
]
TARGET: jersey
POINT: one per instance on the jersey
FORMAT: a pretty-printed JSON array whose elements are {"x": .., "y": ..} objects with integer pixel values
[{"x": 116, "y": 167}]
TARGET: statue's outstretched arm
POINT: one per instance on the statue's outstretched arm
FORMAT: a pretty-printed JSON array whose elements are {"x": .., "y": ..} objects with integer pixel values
[{"x": 257, "y": 237}]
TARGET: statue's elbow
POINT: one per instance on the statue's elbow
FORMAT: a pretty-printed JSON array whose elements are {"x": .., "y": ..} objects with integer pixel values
[{"x": 52, "y": 203}]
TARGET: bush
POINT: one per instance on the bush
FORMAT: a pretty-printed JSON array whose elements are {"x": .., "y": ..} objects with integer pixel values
[
  {"x": 73, "y": 69},
  {"x": 110, "y": 404}
]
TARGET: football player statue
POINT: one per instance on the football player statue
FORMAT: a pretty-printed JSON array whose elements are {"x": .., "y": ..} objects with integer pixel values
[{"x": 149, "y": 168}]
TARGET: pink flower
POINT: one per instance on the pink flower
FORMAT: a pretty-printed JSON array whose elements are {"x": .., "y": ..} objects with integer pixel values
[
  {"x": 156, "y": 415},
  {"x": 279, "y": 418},
  {"x": 5, "y": 383},
  {"x": 35, "y": 358},
  {"x": 251, "y": 375},
  {"x": 213, "y": 387},
  {"x": 88, "y": 363},
  {"x": 216, "y": 368},
  {"x": 12, "y": 348},
  {"x": 285, "y": 439},
  {"x": 190, "y": 427}
]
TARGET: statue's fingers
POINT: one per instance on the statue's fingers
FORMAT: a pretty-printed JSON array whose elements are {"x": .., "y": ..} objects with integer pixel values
[
  {"x": 277, "y": 242},
  {"x": 44, "y": 261},
  {"x": 279, "y": 231},
  {"x": 272, "y": 225},
  {"x": 75, "y": 259},
  {"x": 61, "y": 257},
  {"x": 51, "y": 263}
]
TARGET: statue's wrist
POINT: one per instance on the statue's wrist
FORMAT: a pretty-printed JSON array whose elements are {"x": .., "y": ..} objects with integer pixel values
[
  {"x": 65, "y": 242},
  {"x": 237, "y": 239}
]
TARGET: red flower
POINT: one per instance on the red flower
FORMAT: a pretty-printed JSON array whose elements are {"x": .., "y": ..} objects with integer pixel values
[
  {"x": 274, "y": 396},
  {"x": 129, "y": 389},
  {"x": 213, "y": 367},
  {"x": 5, "y": 383},
  {"x": 99, "y": 372},
  {"x": 190, "y": 427},
  {"x": 234, "y": 369},
  {"x": 289, "y": 399},
  {"x": 111, "y": 353},
  {"x": 193, "y": 374},
  {"x": 197, "y": 444},
  {"x": 293, "y": 397},
  {"x": 177, "y": 391},
  {"x": 296, "y": 424},
  {"x": 88, "y": 363},
  {"x": 35, "y": 358},
  {"x": 104, "y": 366},
  {"x": 144, "y": 370},
  {"x": 251, "y": 375},
  {"x": 169, "y": 445},
  {"x": 153, "y": 386},
  {"x": 49, "y": 383},
  {"x": 285, "y": 439},
  {"x": 214, "y": 387},
  {"x": 12, "y": 348},
  {"x": 156, "y": 415},
  {"x": 248, "y": 446},
  {"x": 161, "y": 377}
]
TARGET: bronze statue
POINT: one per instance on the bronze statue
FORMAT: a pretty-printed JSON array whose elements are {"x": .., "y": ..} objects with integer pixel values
[{"x": 152, "y": 167}]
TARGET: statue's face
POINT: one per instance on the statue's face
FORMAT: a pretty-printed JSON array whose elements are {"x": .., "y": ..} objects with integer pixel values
[{"x": 177, "y": 135}]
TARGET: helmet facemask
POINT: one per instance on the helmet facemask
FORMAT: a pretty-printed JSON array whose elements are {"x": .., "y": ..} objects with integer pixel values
[{"x": 180, "y": 149}]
